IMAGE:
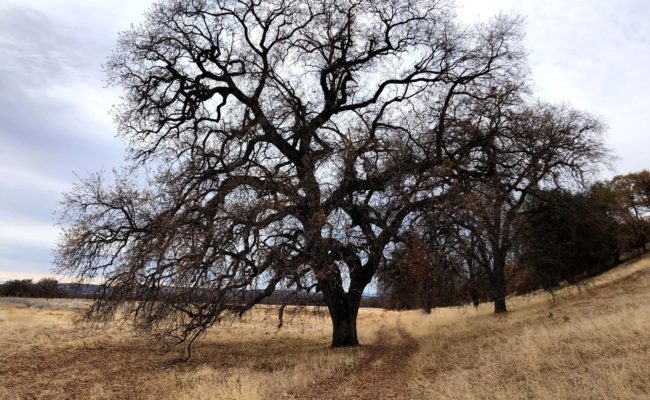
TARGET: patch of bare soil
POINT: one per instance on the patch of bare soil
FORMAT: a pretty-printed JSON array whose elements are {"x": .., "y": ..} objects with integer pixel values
[{"x": 381, "y": 374}]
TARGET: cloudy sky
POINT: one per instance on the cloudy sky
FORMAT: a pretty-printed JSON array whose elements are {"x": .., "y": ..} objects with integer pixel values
[{"x": 54, "y": 106}]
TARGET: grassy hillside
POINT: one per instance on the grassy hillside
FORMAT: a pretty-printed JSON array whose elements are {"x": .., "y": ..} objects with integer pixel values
[{"x": 591, "y": 343}]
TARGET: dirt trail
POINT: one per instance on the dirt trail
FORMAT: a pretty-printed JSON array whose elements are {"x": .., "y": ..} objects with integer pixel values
[{"x": 379, "y": 375}]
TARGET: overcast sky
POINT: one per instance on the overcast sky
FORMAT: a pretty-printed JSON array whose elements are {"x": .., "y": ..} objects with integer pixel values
[{"x": 54, "y": 107}]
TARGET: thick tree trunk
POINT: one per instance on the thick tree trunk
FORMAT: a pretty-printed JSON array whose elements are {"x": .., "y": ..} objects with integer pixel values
[
  {"x": 343, "y": 308},
  {"x": 499, "y": 286},
  {"x": 344, "y": 327},
  {"x": 500, "y": 305}
]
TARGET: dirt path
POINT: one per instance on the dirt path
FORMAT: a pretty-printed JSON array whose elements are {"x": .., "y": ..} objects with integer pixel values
[{"x": 379, "y": 375}]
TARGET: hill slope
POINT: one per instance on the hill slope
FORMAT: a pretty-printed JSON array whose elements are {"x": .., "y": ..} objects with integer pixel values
[{"x": 589, "y": 343}]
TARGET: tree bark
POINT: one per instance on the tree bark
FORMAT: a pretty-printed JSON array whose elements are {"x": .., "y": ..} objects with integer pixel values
[
  {"x": 500, "y": 304},
  {"x": 343, "y": 309},
  {"x": 643, "y": 244},
  {"x": 499, "y": 286},
  {"x": 473, "y": 284},
  {"x": 344, "y": 327},
  {"x": 473, "y": 291}
]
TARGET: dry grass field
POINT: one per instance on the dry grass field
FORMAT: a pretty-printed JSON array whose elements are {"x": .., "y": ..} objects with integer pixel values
[{"x": 592, "y": 343}]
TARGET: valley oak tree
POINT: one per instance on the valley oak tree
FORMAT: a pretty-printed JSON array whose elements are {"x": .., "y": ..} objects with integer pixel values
[
  {"x": 273, "y": 145},
  {"x": 512, "y": 147},
  {"x": 524, "y": 146}
]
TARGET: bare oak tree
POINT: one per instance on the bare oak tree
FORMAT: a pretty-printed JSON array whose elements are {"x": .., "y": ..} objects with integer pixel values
[
  {"x": 522, "y": 145},
  {"x": 275, "y": 144}
]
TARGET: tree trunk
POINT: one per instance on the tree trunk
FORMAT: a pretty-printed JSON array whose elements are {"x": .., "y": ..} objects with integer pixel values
[
  {"x": 643, "y": 244},
  {"x": 473, "y": 283},
  {"x": 344, "y": 327},
  {"x": 499, "y": 286},
  {"x": 474, "y": 294},
  {"x": 343, "y": 308},
  {"x": 500, "y": 305}
]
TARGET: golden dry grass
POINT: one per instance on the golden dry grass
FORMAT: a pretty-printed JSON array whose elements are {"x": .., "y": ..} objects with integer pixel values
[
  {"x": 592, "y": 343},
  {"x": 589, "y": 344}
]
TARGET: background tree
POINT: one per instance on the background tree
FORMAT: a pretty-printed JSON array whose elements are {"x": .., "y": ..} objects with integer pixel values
[
  {"x": 278, "y": 144},
  {"x": 49, "y": 288},
  {"x": 633, "y": 209},
  {"x": 46, "y": 288},
  {"x": 522, "y": 145},
  {"x": 565, "y": 238},
  {"x": 17, "y": 288},
  {"x": 419, "y": 277}
]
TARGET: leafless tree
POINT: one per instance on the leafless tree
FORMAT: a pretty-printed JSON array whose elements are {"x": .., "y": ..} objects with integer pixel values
[
  {"x": 273, "y": 144},
  {"x": 524, "y": 145}
]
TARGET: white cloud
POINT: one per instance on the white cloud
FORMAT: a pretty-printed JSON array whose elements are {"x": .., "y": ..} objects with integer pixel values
[
  {"x": 594, "y": 54},
  {"x": 29, "y": 234},
  {"x": 15, "y": 176}
]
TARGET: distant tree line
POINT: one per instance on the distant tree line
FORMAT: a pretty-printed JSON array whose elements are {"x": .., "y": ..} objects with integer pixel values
[
  {"x": 47, "y": 288},
  {"x": 561, "y": 236},
  {"x": 51, "y": 289}
]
